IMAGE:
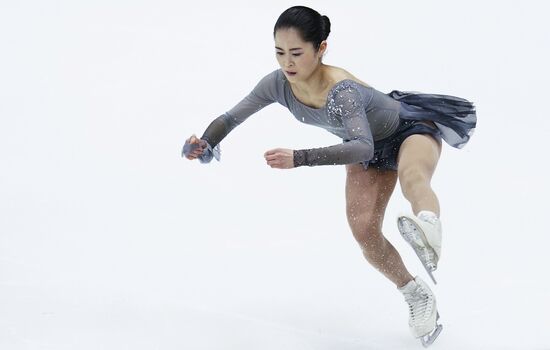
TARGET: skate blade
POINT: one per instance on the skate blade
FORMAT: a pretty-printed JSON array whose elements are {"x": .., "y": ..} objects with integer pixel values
[
  {"x": 430, "y": 274},
  {"x": 428, "y": 339},
  {"x": 418, "y": 242}
]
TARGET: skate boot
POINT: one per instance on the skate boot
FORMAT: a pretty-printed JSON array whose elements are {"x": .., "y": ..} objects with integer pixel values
[
  {"x": 423, "y": 315},
  {"x": 423, "y": 233}
]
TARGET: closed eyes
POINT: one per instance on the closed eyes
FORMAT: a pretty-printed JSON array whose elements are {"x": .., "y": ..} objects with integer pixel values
[{"x": 294, "y": 54}]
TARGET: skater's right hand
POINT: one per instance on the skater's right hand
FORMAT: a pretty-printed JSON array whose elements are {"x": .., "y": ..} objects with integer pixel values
[{"x": 196, "y": 147}]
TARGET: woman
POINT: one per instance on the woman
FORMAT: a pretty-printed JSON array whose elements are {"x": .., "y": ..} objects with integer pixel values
[{"x": 385, "y": 137}]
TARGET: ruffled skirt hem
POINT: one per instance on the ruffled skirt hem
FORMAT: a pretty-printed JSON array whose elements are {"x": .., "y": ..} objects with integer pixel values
[{"x": 455, "y": 117}]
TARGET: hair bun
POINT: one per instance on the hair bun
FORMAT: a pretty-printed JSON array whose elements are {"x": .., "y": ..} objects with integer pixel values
[{"x": 326, "y": 26}]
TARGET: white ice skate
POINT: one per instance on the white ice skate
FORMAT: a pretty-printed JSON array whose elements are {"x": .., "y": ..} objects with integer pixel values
[
  {"x": 423, "y": 315},
  {"x": 423, "y": 233}
]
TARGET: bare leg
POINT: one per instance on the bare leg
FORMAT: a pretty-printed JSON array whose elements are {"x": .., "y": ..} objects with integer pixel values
[
  {"x": 417, "y": 159},
  {"x": 367, "y": 196}
]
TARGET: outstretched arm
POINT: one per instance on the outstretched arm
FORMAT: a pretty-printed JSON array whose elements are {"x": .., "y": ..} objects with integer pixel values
[
  {"x": 263, "y": 94},
  {"x": 220, "y": 127}
]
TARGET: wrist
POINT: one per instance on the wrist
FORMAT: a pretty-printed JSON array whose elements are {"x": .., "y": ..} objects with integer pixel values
[{"x": 299, "y": 157}]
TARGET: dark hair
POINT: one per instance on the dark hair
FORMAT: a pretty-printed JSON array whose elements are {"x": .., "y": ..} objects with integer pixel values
[{"x": 312, "y": 27}]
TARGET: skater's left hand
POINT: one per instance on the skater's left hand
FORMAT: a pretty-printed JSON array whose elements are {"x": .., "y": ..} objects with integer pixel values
[{"x": 280, "y": 158}]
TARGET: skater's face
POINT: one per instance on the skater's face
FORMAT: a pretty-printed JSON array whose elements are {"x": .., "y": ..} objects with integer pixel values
[{"x": 295, "y": 55}]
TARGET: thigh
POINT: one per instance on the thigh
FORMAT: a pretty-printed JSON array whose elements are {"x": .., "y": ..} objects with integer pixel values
[
  {"x": 418, "y": 154},
  {"x": 367, "y": 194}
]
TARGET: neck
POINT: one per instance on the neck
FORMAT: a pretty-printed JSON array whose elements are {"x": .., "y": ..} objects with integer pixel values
[{"x": 317, "y": 82}]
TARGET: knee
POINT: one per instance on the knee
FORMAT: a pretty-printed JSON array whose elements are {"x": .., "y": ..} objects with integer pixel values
[
  {"x": 412, "y": 180},
  {"x": 366, "y": 229}
]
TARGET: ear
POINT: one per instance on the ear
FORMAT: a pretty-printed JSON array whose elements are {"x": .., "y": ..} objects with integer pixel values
[{"x": 322, "y": 48}]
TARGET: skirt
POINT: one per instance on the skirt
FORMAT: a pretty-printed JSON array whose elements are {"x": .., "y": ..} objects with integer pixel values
[{"x": 454, "y": 117}]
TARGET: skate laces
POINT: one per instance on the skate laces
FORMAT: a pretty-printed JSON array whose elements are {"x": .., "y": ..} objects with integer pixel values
[{"x": 420, "y": 305}]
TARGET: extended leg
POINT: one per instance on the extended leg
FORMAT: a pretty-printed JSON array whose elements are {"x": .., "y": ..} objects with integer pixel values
[{"x": 417, "y": 160}]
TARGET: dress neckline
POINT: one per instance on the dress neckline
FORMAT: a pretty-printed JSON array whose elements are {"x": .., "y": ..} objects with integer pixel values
[{"x": 330, "y": 91}]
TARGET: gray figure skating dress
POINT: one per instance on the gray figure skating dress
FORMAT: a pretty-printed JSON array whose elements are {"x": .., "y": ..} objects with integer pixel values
[{"x": 371, "y": 124}]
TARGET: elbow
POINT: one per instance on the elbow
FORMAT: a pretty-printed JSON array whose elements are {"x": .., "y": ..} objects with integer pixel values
[
  {"x": 359, "y": 150},
  {"x": 368, "y": 154},
  {"x": 367, "y": 151}
]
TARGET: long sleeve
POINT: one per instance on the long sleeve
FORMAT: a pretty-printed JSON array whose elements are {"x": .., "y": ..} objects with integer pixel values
[
  {"x": 346, "y": 103},
  {"x": 263, "y": 94}
]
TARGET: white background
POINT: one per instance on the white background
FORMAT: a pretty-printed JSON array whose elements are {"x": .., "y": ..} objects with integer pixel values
[{"x": 110, "y": 240}]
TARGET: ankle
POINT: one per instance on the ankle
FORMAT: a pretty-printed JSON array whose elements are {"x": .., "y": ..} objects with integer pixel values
[{"x": 407, "y": 284}]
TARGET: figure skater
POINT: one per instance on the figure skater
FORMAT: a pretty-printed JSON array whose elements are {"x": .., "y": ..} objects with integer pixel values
[{"x": 385, "y": 137}]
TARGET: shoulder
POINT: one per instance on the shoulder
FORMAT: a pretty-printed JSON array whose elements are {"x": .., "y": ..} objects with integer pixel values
[
  {"x": 338, "y": 74},
  {"x": 273, "y": 82},
  {"x": 346, "y": 85},
  {"x": 271, "y": 86},
  {"x": 347, "y": 90},
  {"x": 344, "y": 95},
  {"x": 274, "y": 77},
  {"x": 347, "y": 95}
]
